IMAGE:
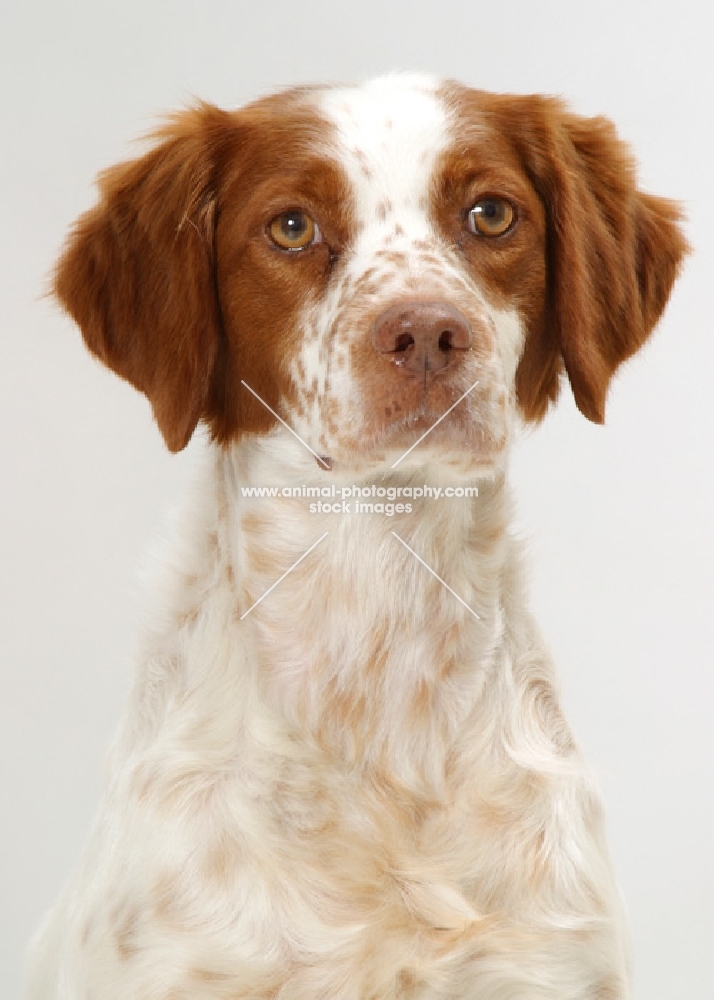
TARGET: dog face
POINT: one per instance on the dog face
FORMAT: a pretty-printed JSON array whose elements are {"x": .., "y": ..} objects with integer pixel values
[{"x": 362, "y": 261}]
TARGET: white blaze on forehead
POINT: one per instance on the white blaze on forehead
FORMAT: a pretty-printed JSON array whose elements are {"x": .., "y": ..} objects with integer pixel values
[{"x": 389, "y": 133}]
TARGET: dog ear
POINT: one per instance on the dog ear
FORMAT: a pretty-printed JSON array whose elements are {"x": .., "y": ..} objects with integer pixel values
[
  {"x": 613, "y": 254},
  {"x": 137, "y": 271}
]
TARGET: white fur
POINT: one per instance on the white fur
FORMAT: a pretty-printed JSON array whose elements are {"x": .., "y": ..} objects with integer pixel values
[
  {"x": 304, "y": 802},
  {"x": 388, "y": 136}
]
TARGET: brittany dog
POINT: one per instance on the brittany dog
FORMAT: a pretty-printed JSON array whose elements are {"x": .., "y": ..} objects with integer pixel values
[{"x": 344, "y": 773}]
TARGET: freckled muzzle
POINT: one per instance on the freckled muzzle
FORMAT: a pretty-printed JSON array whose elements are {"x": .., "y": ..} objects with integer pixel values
[{"x": 421, "y": 338}]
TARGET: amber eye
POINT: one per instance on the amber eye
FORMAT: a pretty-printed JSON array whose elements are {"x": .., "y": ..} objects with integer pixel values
[
  {"x": 491, "y": 217},
  {"x": 293, "y": 230}
]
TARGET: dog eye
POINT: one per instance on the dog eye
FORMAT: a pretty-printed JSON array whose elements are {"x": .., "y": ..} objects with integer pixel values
[
  {"x": 294, "y": 230},
  {"x": 491, "y": 217}
]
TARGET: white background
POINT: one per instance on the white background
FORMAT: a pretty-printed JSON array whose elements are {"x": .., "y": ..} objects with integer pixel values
[{"x": 620, "y": 517}]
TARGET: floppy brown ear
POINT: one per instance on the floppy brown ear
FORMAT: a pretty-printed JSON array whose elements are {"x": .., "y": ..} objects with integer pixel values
[
  {"x": 613, "y": 254},
  {"x": 137, "y": 271}
]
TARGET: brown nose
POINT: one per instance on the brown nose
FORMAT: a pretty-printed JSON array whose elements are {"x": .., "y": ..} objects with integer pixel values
[{"x": 422, "y": 336}]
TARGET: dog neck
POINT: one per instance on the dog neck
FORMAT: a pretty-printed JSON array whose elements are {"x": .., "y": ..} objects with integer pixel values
[
  {"x": 387, "y": 626},
  {"x": 376, "y": 645}
]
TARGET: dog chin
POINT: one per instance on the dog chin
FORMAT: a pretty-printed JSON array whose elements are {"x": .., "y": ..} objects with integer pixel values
[{"x": 457, "y": 448}]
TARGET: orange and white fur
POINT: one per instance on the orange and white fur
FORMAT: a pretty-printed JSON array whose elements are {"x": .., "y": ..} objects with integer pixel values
[{"x": 364, "y": 788}]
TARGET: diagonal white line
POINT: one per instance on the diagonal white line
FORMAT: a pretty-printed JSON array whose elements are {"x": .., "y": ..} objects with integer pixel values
[
  {"x": 433, "y": 426},
  {"x": 284, "y": 575},
  {"x": 419, "y": 558},
  {"x": 288, "y": 425}
]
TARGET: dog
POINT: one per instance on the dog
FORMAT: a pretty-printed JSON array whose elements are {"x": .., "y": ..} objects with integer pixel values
[{"x": 344, "y": 771}]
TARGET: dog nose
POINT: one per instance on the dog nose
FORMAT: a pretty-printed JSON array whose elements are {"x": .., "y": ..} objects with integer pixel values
[{"x": 421, "y": 336}]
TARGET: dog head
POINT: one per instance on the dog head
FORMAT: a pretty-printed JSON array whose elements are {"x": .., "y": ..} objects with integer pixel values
[{"x": 368, "y": 262}]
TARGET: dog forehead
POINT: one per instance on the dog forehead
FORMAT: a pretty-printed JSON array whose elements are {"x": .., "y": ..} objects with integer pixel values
[{"x": 388, "y": 135}]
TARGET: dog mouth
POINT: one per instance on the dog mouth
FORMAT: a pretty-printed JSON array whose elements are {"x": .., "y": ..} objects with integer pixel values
[
  {"x": 431, "y": 408},
  {"x": 449, "y": 422}
]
